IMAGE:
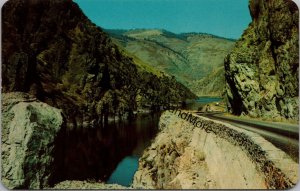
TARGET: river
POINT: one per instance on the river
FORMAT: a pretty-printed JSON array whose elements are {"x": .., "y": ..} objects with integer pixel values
[
  {"x": 110, "y": 153},
  {"x": 107, "y": 154},
  {"x": 197, "y": 104}
]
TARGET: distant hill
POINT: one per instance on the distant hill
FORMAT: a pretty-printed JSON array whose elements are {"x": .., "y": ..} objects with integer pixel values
[
  {"x": 212, "y": 84},
  {"x": 190, "y": 57}
]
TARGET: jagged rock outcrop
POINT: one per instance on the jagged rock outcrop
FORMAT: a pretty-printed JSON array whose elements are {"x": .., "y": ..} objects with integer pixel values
[
  {"x": 29, "y": 131},
  {"x": 262, "y": 70},
  {"x": 53, "y": 51}
]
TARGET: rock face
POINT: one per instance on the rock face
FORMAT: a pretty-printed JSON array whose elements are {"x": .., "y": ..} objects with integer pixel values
[
  {"x": 53, "y": 51},
  {"x": 213, "y": 156},
  {"x": 29, "y": 130},
  {"x": 172, "y": 162},
  {"x": 262, "y": 70}
]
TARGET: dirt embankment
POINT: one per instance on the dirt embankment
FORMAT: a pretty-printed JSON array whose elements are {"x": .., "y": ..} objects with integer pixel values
[{"x": 217, "y": 155}]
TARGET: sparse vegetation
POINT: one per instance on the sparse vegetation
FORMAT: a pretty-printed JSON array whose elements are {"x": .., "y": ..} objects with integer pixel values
[{"x": 190, "y": 57}]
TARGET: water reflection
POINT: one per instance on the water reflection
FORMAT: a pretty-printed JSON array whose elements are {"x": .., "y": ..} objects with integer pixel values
[
  {"x": 94, "y": 153},
  {"x": 124, "y": 172}
]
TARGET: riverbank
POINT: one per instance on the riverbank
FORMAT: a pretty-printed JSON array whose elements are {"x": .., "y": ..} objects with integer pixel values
[
  {"x": 35, "y": 136},
  {"x": 188, "y": 152},
  {"x": 78, "y": 185},
  {"x": 217, "y": 156}
]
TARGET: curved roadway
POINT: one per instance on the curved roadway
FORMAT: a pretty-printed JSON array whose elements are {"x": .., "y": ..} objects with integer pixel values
[{"x": 282, "y": 135}]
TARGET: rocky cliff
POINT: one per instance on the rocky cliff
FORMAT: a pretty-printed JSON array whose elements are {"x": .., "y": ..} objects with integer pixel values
[
  {"x": 262, "y": 70},
  {"x": 53, "y": 51},
  {"x": 29, "y": 130}
]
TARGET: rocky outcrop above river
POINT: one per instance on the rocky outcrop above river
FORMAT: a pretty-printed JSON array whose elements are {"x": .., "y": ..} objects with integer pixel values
[
  {"x": 29, "y": 131},
  {"x": 213, "y": 155},
  {"x": 262, "y": 70}
]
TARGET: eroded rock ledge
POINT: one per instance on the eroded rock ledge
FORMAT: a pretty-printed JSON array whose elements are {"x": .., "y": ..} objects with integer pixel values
[{"x": 186, "y": 157}]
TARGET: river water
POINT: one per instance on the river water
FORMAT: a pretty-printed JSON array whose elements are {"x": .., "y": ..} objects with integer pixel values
[
  {"x": 125, "y": 170},
  {"x": 105, "y": 153},
  {"x": 147, "y": 127},
  {"x": 111, "y": 153},
  {"x": 197, "y": 104}
]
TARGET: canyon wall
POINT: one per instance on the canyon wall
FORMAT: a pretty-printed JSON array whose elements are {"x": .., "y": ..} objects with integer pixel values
[
  {"x": 51, "y": 50},
  {"x": 262, "y": 70}
]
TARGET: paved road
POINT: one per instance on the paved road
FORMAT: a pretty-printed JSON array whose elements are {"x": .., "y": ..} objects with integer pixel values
[{"x": 282, "y": 135}]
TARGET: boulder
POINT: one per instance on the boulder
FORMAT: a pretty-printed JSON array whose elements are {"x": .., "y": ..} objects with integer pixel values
[{"x": 29, "y": 130}]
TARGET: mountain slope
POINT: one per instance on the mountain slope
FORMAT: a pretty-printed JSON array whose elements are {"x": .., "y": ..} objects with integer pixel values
[
  {"x": 213, "y": 84},
  {"x": 262, "y": 70},
  {"x": 190, "y": 57},
  {"x": 53, "y": 51}
]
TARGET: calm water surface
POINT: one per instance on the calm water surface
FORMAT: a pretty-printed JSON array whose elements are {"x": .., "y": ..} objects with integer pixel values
[
  {"x": 107, "y": 154},
  {"x": 125, "y": 170},
  {"x": 201, "y": 101},
  {"x": 110, "y": 153}
]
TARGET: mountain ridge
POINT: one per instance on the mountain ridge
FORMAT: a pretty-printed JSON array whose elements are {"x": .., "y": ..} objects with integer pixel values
[
  {"x": 189, "y": 57},
  {"x": 164, "y": 31}
]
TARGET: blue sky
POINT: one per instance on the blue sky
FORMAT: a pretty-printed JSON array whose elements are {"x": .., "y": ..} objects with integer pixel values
[{"x": 226, "y": 18}]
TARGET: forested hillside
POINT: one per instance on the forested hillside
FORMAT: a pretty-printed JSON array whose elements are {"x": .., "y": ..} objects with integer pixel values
[{"x": 53, "y": 51}]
